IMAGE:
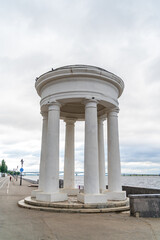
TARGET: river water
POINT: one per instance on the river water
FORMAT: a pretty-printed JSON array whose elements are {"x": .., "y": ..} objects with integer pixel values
[{"x": 135, "y": 181}]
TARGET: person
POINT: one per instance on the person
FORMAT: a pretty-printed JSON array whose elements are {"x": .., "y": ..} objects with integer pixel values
[{"x": 10, "y": 178}]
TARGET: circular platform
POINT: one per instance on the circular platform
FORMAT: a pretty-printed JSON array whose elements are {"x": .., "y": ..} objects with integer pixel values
[{"x": 73, "y": 206}]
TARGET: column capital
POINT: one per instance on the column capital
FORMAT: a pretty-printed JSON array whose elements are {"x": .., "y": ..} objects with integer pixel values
[
  {"x": 44, "y": 114},
  {"x": 113, "y": 112},
  {"x": 54, "y": 106},
  {"x": 70, "y": 121},
  {"x": 90, "y": 102},
  {"x": 101, "y": 120}
]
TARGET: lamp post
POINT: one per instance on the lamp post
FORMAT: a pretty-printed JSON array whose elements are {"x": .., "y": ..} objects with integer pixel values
[
  {"x": 16, "y": 173},
  {"x": 21, "y": 170}
]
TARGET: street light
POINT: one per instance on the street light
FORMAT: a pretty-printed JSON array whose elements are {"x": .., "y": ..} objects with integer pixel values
[{"x": 21, "y": 170}]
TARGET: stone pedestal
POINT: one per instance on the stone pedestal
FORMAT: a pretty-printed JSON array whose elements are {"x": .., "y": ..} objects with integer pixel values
[
  {"x": 92, "y": 198},
  {"x": 70, "y": 191},
  {"x": 119, "y": 196},
  {"x": 34, "y": 193},
  {"x": 51, "y": 197}
]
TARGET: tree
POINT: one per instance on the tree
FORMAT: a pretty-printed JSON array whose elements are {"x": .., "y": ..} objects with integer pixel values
[
  {"x": 3, "y": 167},
  {"x": 13, "y": 173}
]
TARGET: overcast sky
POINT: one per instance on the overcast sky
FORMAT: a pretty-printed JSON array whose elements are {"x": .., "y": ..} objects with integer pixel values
[{"x": 122, "y": 36}]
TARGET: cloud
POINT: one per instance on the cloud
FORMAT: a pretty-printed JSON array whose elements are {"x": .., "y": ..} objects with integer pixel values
[
  {"x": 120, "y": 36},
  {"x": 140, "y": 153}
]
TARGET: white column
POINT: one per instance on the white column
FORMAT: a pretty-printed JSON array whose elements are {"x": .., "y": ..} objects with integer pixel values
[
  {"x": 91, "y": 168},
  {"x": 43, "y": 156},
  {"x": 69, "y": 161},
  {"x": 52, "y": 163},
  {"x": 91, "y": 164},
  {"x": 114, "y": 169},
  {"x": 102, "y": 182},
  {"x": 51, "y": 191},
  {"x": 43, "y": 151}
]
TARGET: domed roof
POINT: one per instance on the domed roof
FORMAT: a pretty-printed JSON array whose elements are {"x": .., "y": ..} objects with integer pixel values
[
  {"x": 80, "y": 70},
  {"x": 80, "y": 66}
]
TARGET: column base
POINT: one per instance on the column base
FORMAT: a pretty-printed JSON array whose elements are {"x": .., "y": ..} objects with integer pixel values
[
  {"x": 102, "y": 190},
  {"x": 51, "y": 197},
  {"x": 34, "y": 193},
  {"x": 120, "y": 196},
  {"x": 92, "y": 198},
  {"x": 70, "y": 191}
]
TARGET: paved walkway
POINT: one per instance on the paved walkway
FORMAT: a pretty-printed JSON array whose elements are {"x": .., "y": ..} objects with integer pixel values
[{"x": 23, "y": 224}]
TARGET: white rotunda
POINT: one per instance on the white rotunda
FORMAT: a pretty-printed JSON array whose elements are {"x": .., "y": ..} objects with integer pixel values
[{"x": 90, "y": 94}]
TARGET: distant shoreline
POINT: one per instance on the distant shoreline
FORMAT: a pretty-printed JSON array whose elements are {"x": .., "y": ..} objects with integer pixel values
[
  {"x": 82, "y": 174},
  {"x": 126, "y": 174}
]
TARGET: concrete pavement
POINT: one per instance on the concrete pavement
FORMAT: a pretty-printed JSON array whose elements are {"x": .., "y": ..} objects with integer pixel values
[{"x": 23, "y": 224}]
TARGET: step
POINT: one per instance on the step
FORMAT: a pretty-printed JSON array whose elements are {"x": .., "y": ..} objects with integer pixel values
[
  {"x": 73, "y": 203},
  {"x": 22, "y": 204}
]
